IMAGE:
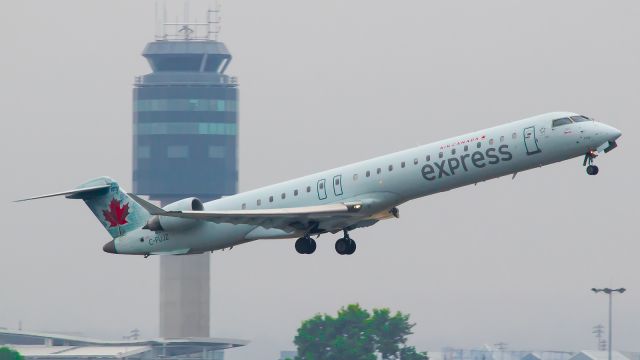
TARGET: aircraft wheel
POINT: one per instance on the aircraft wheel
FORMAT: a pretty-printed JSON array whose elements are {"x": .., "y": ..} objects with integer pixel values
[
  {"x": 310, "y": 246},
  {"x": 352, "y": 247},
  {"x": 342, "y": 246},
  {"x": 300, "y": 246},
  {"x": 592, "y": 170}
]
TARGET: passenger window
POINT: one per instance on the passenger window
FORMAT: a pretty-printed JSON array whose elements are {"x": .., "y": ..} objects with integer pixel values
[
  {"x": 466, "y": 148},
  {"x": 295, "y": 192},
  {"x": 244, "y": 206},
  {"x": 308, "y": 188},
  {"x": 478, "y": 145},
  {"x": 390, "y": 167},
  {"x": 501, "y": 138},
  {"x": 259, "y": 202},
  {"x": 337, "y": 182},
  {"x": 415, "y": 161},
  {"x": 514, "y": 135},
  {"x": 402, "y": 164},
  {"x": 270, "y": 198},
  {"x": 428, "y": 158},
  {"x": 355, "y": 177},
  {"x": 560, "y": 122},
  {"x": 283, "y": 195},
  {"x": 490, "y": 141},
  {"x": 368, "y": 173},
  {"x": 453, "y": 151},
  {"x": 378, "y": 171},
  {"x": 321, "y": 185},
  {"x": 440, "y": 155}
]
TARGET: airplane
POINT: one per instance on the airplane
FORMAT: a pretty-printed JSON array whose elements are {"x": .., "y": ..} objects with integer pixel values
[{"x": 341, "y": 199}]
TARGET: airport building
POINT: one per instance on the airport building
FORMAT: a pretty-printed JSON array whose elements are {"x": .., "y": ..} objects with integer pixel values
[
  {"x": 42, "y": 346},
  {"x": 185, "y": 141}
]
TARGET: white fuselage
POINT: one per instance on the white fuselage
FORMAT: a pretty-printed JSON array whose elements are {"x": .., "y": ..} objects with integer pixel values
[{"x": 387, "y": 181}]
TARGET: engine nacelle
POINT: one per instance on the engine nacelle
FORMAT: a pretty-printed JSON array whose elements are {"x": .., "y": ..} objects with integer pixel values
[{"x": 171, "y": 224}]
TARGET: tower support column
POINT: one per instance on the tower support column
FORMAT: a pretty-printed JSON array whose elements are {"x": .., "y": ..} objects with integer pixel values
[{"x": 184, "y": 296}]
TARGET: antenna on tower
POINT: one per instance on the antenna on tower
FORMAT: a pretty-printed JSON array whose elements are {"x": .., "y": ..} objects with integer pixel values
[{"x": 214, "y": 19}]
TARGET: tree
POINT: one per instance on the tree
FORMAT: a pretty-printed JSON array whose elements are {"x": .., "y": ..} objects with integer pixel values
[
  {"x": 390, "y": 331},
  {"x": 347, "y": 336},
  {"x": 356, "y": 334},
  {"x": 410, "y": 353},
  {"x": 9, "y": 354}
]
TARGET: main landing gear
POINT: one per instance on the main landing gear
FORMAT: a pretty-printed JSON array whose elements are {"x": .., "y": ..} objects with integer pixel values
[
  {"x": 305, "y": 245},
  {"x": 588, "y": 159},
  {"x": 345, "y": 245}
]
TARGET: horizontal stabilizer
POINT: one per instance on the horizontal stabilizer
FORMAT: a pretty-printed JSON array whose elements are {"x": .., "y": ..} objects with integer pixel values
[{"x": 75, "y": 193}]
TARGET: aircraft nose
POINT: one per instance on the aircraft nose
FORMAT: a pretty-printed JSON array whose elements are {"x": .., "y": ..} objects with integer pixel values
[
  {"x": 110, "y": 247},
  {"x": 612, "y": 133}
]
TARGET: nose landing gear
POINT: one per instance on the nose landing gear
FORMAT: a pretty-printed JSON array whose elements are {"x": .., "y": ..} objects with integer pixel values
[{"x": 588, "y": 159}]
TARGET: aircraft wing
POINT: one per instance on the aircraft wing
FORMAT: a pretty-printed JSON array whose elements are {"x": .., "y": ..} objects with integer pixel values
[{"x": 296, "y": 218}]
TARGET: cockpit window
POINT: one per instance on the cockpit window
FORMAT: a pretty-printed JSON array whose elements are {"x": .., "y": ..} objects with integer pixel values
[
  {"x": 580, "y": 118},
  {"x": 560, "y": 122}
]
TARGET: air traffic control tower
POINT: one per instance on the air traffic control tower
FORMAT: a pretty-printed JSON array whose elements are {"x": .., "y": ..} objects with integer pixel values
[{"x": 185, "y": 140}]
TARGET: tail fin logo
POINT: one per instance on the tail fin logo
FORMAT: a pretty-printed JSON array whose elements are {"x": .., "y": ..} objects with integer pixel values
[{"x": 116, "y": 214}]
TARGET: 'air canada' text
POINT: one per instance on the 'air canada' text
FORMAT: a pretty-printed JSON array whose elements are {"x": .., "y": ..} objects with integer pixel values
[{"x": 479, "y": 159}]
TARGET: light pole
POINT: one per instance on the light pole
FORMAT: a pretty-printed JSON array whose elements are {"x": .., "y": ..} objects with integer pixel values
[{"x": 610, "y": 293}]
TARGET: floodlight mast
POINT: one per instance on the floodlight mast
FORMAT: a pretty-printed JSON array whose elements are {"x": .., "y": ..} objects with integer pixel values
[{"x": 610, "y": 293}]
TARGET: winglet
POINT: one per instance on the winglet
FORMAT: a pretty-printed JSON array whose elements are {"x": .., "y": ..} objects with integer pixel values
[{"x": 152, "y": 209}]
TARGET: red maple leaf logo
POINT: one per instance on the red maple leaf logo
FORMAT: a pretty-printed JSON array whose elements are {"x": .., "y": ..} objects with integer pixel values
[{"x": 116, "y": 214}]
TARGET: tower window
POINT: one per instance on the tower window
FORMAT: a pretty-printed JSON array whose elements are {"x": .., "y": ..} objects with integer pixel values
[{"x": 177, "y": 152}]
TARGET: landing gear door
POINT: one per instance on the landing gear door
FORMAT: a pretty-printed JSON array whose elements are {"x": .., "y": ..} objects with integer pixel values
[
  {"x": 337, "y": 185},
  {"x": 322, "y": 189},
  {"x": 530, "y": 140}
]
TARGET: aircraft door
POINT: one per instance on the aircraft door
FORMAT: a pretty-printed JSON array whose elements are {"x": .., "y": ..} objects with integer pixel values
[
  {"x": 322, "y": 189},
  {"x": 337, "y": 185},
  {"x": 530, "y": 140}
]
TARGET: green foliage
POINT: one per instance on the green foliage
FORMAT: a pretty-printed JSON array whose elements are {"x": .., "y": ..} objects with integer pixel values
[
  {"x": 356, "y": 334},
  {"x": 410, "y": 353},
  {"x": 9, "y": 354}
]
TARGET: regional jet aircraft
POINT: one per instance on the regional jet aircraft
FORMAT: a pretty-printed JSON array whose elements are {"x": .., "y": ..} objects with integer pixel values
[{"x": 341, "y": 199}]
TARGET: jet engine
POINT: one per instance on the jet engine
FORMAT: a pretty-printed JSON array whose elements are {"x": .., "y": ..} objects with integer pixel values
[{"x": 171, "y": 224}]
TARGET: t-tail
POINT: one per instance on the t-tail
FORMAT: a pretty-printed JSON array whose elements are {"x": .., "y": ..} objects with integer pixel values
[{"x": 116, "y": 211}]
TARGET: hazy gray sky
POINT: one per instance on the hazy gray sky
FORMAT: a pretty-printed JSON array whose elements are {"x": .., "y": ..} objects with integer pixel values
[{"x": 324, "y": 83}]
